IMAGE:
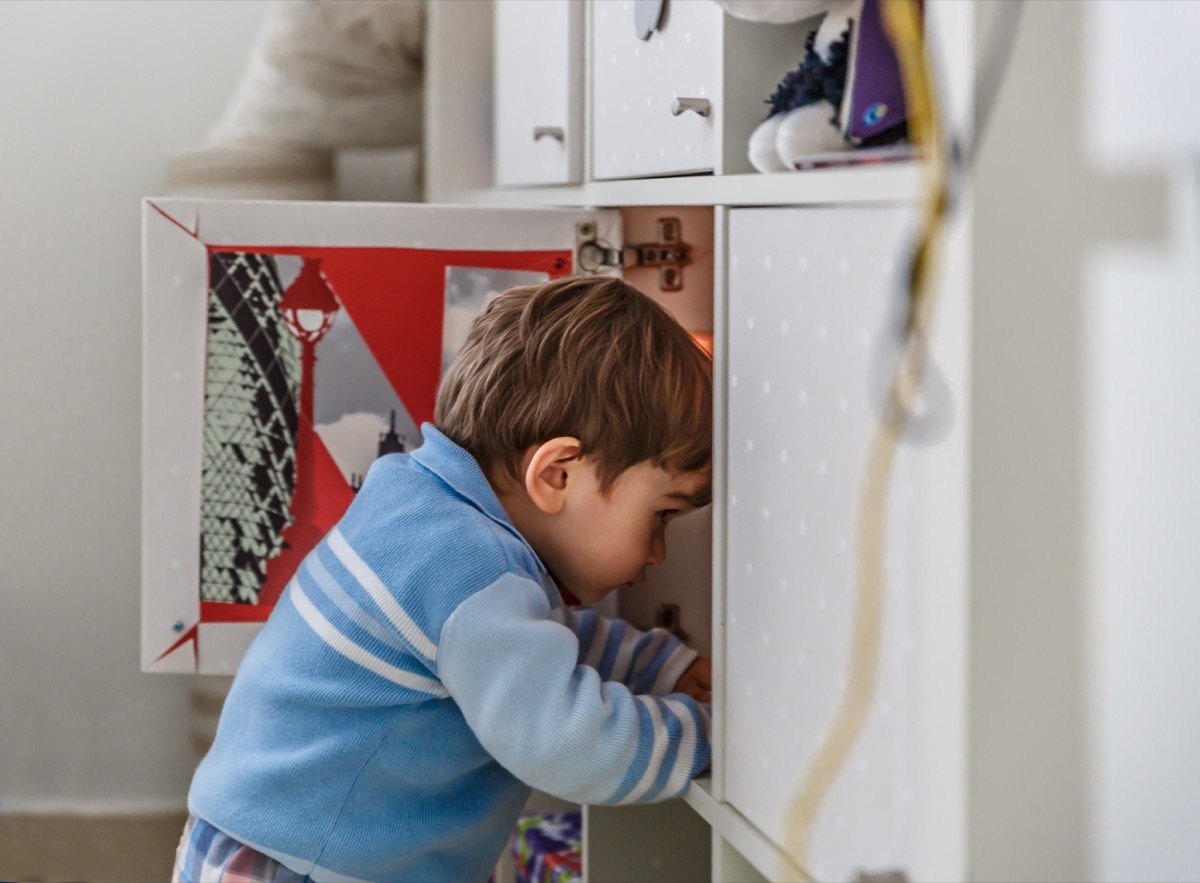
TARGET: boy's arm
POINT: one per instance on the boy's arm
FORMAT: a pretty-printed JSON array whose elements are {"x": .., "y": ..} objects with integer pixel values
[
  {"x": 556, "y": 724},
  {"x": 645, "y": 662}
]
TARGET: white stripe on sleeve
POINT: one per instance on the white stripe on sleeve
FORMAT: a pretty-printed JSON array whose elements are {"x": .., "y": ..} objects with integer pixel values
[
  {"x": 659, "y": 751},
  {"x": 391, "y": 608},
  {"x": 624, "y": 655},
  {"x": 681, "y": 772},
  {"x": 648, "y": 656},
  {"x": 356, "y": 654},
  {"x": 673, "y": 669},
  {"x": 599, "y": 639}
]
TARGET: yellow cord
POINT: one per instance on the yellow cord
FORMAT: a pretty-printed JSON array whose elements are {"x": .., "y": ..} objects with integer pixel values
[{"x": 902, "y": 20}]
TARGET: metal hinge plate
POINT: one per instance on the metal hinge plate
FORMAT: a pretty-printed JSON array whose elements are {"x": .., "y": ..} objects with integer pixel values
[{"x": 669, "y": 253}]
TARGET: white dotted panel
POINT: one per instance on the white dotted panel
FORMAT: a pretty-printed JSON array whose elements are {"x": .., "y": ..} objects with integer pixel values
[
  {"x": 539, "y": 83},
  {"x": 800, "y": 415},
  {"x": 634, "y": 83}
]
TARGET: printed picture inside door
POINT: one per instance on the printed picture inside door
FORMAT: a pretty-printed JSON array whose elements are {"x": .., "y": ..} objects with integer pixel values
[
  {"x": 286, "y": 348},
  {"x": 318, "y": 362}
]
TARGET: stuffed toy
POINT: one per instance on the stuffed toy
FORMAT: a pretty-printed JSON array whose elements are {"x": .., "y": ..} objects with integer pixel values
[
  {"x": 323, "y": 75},
  {"x": 845, "y": 93}
]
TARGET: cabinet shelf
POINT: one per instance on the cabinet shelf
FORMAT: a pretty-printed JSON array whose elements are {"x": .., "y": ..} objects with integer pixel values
[
  {"x": 883, "y": 183},
  {"x": 767, "y": 858}
]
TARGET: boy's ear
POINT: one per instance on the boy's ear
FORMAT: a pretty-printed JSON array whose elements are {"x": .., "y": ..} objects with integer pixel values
[{"x": 548, "y": 472}]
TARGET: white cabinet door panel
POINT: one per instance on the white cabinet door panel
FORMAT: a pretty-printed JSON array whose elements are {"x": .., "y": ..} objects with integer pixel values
[
  {"x": 635, "y": 82},
  {"x": 810, "y": 294},
  {"x": 539, "y": 91}
]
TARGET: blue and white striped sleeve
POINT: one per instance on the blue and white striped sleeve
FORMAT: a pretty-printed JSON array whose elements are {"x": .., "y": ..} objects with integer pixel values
[
  {"x": 554, "y": 723},
  {"x": 645, "y": 662}
]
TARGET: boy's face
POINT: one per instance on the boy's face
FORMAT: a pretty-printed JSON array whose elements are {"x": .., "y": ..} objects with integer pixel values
[{"x": 602, "y": 542}]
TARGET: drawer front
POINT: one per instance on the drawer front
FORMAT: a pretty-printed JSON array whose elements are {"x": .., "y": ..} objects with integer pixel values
[
  {"x": 539, "y": 92},
  {"x": 635, "y": 82},
  {"x": 810, "y": 291}
]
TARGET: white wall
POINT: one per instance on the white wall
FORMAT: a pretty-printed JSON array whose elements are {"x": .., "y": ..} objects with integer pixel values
[
  {"x": 1042, "y": 212},
  {"x": 1144, "y": 559},
  {"x": 1144, "y": 500},
  {"x": 93, "y": 96},
  {"x": 1085, "y": 483}
]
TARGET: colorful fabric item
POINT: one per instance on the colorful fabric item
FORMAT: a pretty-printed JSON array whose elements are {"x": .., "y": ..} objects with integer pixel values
[
  {"x": 419, "y": 674},
  {"x": 548, "y": 848},
  {"x": 206, "y": 855}
]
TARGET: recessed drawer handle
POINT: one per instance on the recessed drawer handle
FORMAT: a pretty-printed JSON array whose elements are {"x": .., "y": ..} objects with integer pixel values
[
  {"x": 555, "y": 132},
  {"x": 701, "y": 106}
]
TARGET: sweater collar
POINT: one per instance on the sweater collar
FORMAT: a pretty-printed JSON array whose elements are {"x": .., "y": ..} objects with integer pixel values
[{"x": 457, "y": 468}]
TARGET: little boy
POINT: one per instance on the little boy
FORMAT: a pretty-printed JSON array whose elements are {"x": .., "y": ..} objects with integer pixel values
[{"x": 421, "y": 672}]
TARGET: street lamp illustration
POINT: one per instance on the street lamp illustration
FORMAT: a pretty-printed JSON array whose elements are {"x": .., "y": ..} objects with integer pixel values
[{"x": 308, "y": 308}]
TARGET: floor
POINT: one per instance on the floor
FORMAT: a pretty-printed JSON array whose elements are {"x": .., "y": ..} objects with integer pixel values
[{"x": 89, "y": 849}]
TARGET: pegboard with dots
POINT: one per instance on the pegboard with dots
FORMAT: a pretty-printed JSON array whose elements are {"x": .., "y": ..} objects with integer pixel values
[
  {"x": 678, "y": 59},
  {"x": 803, "y": 409}
]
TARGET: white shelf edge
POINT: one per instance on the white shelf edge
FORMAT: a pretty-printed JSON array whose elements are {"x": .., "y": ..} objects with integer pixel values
[
  {"x": 772, "y": 862},
  {"x": 897, "y": 182},
  {"x": 720, "y": 493}
]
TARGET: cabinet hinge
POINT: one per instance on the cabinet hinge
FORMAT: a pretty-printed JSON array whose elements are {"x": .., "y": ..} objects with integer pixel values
[{"x": 669, "y": 253}]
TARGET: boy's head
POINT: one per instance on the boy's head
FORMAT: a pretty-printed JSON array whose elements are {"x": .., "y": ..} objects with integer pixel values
[{"x": 591, "y": 399}]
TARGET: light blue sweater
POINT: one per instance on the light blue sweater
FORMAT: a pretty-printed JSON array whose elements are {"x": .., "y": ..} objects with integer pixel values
[{"x": 418, "y": 675}]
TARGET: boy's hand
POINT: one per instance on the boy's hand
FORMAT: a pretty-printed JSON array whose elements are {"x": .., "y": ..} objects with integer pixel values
[{"x": 696, "y": 681}]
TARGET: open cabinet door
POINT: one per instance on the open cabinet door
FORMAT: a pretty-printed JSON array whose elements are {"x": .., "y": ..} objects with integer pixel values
[{"x": 286, "y": 346}]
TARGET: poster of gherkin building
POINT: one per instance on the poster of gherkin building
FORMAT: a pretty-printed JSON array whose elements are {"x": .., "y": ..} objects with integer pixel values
[
  {"x": 276, "y": 371},
  {"x": 251, "y": 403},
  {"x": 296, "y": 408}
]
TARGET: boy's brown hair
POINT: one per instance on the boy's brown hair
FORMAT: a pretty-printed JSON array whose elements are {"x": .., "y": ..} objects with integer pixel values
[{"x": 585, "y": 356}]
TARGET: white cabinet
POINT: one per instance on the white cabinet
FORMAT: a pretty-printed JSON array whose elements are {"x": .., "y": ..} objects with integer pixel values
[
  {"x": 655, "y": 99},
  {"x": 678, "y": 86},
  {"x": 795, "y": 277},
  {"x": 496, "y": 71},
  {"x": 539, "y": 92}
]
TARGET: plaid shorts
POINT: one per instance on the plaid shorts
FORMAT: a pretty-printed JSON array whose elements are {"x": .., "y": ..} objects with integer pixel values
[{"x": 206, "y": 855}]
